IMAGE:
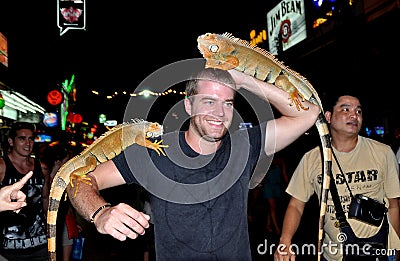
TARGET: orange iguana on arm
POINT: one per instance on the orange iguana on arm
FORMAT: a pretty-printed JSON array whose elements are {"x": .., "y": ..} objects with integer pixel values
[
  {"x": 226, "y": 52},
  {"x": 109, "y": 145}
]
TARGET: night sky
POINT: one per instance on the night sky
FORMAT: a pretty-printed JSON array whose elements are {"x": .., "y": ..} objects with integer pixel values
[{"x": 123, "y": 43}]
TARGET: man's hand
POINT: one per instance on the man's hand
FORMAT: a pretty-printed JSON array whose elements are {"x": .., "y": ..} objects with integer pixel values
[
  {"x": 283, "y": 252},
  {"x": 11, "y": 197},
  {"x": 121, "y": 222}
]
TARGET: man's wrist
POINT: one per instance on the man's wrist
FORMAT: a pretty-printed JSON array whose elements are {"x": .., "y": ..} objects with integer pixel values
[{"x": 92, "y": 217}]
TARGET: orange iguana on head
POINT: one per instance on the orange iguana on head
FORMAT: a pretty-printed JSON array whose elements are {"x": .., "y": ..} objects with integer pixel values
[
  {"x": 109, "y": 145},
  {"x": 226, "y": 52}
]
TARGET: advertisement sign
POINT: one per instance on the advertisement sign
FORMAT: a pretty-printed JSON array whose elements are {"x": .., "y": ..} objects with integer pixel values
[
  {"x": 50, "y": 119},
  {"x": 54, "y": 97},
  {"x": 3, "y": 50},
  {"x": 286, "y": 24}
]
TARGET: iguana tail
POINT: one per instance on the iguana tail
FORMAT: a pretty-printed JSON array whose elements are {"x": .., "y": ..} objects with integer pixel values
[{"x": 228, "y": 52}]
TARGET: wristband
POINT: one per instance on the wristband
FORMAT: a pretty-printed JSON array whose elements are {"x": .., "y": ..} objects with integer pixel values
[{"x": 98, "y": 210}]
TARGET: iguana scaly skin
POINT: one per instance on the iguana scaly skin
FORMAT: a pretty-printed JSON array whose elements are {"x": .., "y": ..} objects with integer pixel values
[
  {"x": 226, "y": 52},
  {"x": 109, "y": 145}
]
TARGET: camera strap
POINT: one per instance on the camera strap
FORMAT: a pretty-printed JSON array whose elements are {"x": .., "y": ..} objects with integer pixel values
[
  {"x": 340, "y": 215},
  {"x": 342, "y": 172}
]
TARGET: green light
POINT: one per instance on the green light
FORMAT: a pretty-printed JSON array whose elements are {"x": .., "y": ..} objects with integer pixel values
[
  {"x": 66, "y": 89},
  {"x": 102, "y": 118}
]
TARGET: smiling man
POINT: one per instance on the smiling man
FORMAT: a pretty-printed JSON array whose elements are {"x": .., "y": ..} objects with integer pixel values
[{"x": 198, "y": 192}]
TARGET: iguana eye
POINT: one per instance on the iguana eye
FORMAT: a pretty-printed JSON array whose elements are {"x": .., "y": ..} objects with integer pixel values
[{"x": 213, "y": 48}]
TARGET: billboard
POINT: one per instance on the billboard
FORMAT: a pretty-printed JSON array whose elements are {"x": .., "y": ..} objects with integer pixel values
[{"x": 286, "y": 25}]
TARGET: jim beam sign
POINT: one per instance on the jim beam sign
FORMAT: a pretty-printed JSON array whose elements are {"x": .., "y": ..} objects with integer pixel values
[{"x": 286, "y": 24}]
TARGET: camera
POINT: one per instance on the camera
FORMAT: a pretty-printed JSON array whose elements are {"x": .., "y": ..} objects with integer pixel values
[{"x": 367, "y": 210}]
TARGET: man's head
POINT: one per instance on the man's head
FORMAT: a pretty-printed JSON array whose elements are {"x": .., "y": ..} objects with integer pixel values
[
  {"x": 52, "y": 155},
  {"x": 344, "y": 115},
  {"x": 21, "y": 138},
  {"x": 209, "y": 102}
]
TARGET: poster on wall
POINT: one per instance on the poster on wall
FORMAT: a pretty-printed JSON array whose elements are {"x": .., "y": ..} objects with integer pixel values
[
  {"x": 286, "y": 24},
  {"x": 71, "y": 14},
  {"x": 3, "y": 50}
]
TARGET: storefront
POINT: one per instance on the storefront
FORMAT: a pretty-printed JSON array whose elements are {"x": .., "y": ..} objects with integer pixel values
[{"x": 16, "y": 107}]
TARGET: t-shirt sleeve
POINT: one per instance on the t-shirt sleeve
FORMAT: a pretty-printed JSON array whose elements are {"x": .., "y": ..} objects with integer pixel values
[
  {"x": 258, "y": 138},
  {"x": 300, "y": 185},
  {"x": 123, "y": 168}
]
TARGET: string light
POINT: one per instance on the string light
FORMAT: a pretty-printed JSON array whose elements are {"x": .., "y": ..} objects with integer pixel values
[{"x": 144, "y": 93}]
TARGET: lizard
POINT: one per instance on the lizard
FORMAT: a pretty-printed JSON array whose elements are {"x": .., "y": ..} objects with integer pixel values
[
  {"x": 224, "y": 51},
  {"x": 106, "y": 147}
]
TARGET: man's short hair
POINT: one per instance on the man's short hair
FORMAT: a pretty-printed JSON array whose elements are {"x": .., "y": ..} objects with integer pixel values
[
  {"x": 19, "y": 125},
  {"x": 211, "y": 74},
  {"x": 330, "y": 101}
]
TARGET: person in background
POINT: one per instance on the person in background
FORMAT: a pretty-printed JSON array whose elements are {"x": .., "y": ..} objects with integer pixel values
[
  {"x": 202, "y": 215},
  {"x": 271, "y": 192},
  {"x": 53, "y": 157},
  {"x": 370, "y": 168},
  {"x": 24, "y": 234}
]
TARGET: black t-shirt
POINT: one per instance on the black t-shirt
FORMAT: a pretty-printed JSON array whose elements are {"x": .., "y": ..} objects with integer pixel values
[
  {"x": 198, "y": 202},
  {"x": 24, "y": 231}
]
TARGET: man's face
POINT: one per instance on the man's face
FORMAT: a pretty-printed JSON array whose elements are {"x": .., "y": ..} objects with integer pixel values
[
  {"x": 346, "y": 117},
  {"x": 23, "y": 142},
  {"x": 211, "y": 110}
]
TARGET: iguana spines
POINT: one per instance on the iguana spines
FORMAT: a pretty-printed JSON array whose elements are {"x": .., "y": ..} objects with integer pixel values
[
  {"x": 224, "y": 51},
  {"x": 109, "y": 145}
]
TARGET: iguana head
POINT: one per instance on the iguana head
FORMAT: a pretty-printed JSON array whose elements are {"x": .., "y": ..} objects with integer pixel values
[
  {"x": 153, "y": 130},
  {"x": 217, "y": 49}
]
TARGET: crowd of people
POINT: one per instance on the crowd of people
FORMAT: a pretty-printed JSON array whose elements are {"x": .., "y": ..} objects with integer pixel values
[
  {"x": 199, "y": 197},
  {"x": 26, "y": 174}
]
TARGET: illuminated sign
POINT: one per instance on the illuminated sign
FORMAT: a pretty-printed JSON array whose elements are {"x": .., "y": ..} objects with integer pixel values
[
  {"x": 3, "y": 50},
  {"x": 50, "y": 119},
  {"x": 110, "y": 123},
  {"x": 245, "y": 125},
  {"x": 256, "y": 39},
  {"x": 43, "y": 138},
  {"x": 74, "y": 117},
  {"x": 102, "y": 118},
  {"x": 286, "y": 24},
  {"x": 54, "y": 97}
]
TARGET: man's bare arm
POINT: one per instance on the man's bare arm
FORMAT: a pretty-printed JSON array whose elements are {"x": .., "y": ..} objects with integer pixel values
[
  {"x": 120, "y": 221},
  {"x": 291, "y": 222},
  {"x": 293, "y": 122}
]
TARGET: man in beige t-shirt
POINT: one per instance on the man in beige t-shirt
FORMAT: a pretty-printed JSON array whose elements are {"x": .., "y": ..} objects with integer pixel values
[{"x": 370, "y": 169}]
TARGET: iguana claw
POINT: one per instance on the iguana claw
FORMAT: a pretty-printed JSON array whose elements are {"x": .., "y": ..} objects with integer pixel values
[{"x": 158, "y": 147}]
